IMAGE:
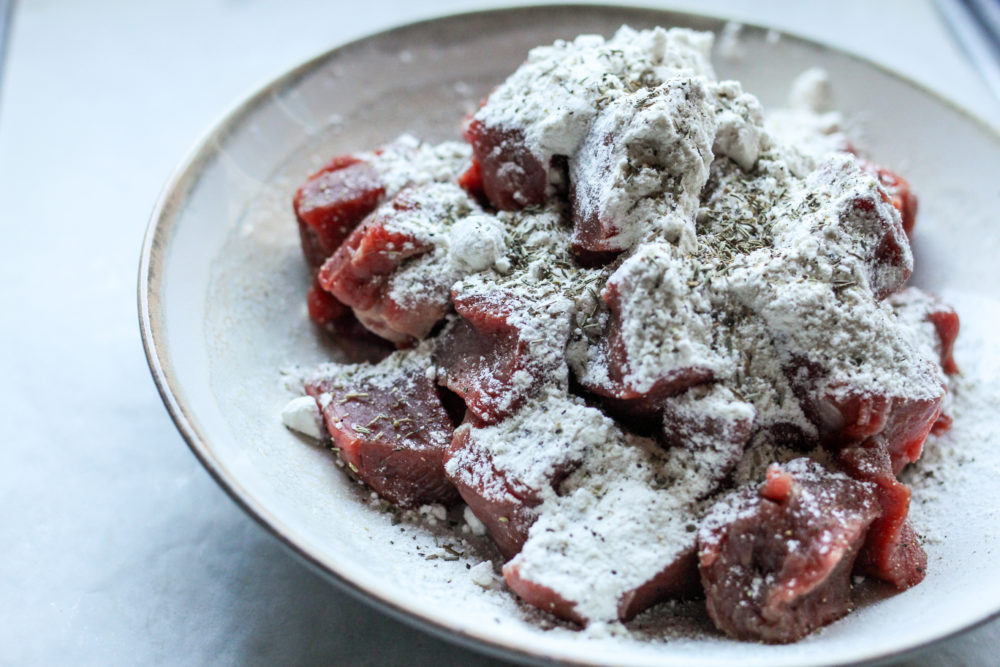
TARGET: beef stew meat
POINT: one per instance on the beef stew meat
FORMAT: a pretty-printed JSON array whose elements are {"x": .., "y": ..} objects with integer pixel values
[
  {"x": 389, "y": 427},
  {"x": 892, "y": 551},
  {"x": 659, "y": 347},
  {"x": 332, "y": 203},
  {"x": 776, "y": 560}
]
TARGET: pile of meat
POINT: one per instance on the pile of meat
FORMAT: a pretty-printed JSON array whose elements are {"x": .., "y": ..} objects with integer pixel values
[{"x": 659, "y": 347}]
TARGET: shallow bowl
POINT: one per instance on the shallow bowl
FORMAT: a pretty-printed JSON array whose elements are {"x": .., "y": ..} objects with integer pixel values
[{"x": 222, "y": 312}]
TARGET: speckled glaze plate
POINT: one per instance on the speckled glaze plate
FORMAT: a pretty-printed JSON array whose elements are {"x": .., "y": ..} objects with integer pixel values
[{"x": 221, "y": 296}]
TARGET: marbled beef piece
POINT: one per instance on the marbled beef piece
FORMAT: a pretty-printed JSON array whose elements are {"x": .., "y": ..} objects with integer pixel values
[
  {"x": 641, "y": 166},
  {"x": 494, "y": 357},
  {"x": 776, "y": 560},
  {"x": 713, "y": 423},
  {"x": 658, "y": 338},
  {"x": 509, "y": 174},
  {"x": 504, "y": 472},
  {"x": 619, "y": 536},
  {"x": 332, "y": 203},
  {"x": 934, "y": 324},
  {"x": 398, "y": 299},
  {"x": 898, "y": 189},
  {"x": 892, "y": 551},
  {"x": 864, "y": 212},
  {"x": 505, "y": 506},
  {"x": 389, "y": 426}
]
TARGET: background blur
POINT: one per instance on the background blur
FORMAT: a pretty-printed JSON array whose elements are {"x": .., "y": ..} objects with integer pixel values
[{"x": 116, "y": 547}]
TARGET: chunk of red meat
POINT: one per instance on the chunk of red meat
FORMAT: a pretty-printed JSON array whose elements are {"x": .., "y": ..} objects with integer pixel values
[
  {"x": 505, "y": 471},
  {"x": 358, "y": 275},
  {"x": 712, "y": 422},
  {"x": 618, "y": 395},
  {"x": 898, "y": 189},
  {"x": 593, "y": 236},
  {"x": 324, "y": 308},
  {"x": 628, "y": 544},
  {"x": 505, "y": 506},
  {"x": 471, "y": 180},
  {"x": 776, "y": 561},
  {"x": 851, "y": 416},
  {"x": 636, "y": 152},
  {"x": 332, "y": 203},
  {"x": 391, "y": 431},
  {"x": 512, "y": 177},
  {"x": 677, "y": 580},
  {"x": 358, "y": 271},
  {"x": 946, "y": 324},
  {"x": 540, "y": 596},
  {"x": 480, "y": 355},
  {"x": 891, "y": 552},
  {"x": 890, "y": 263}
]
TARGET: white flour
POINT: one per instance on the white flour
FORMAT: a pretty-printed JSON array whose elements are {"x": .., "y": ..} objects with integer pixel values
[{"x": 746, "y": 255}]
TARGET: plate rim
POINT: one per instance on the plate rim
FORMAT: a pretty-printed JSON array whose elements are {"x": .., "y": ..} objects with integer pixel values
[{"x": 159, "y": 231}]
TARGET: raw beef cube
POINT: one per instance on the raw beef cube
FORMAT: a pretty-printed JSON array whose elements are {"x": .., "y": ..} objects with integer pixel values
[
  {"x": 505, "y": 507},
  {"x": 864, "y": 214},
  {"x": 898, "y": 189},
  {"x": 359, "y": 269},
  {"x": 892, "y": 551},
  {"x": 541, "y": 596},
  {"x": 504, "y": 472},
  {"x": 655, "y": 339},
  {"x": 776, "y": 561},
  {"x": 679, "y": 579},
  {"x": 945, "y": 321},
  {"x": 619, "y": 535},
  {"x": 642, "y": 164},
  {"x": 485, "y": 359},
  {"x": 934, "y": 323},
  {"x": 903, "y": 422},
  {"x": 389, "y": 426},
  {"x": 711, "y": 422},
  {"x": 511, "y": 176},
  {"x": 332, "y": 203},
  {"x": 324, "y": 308},
  {"x": 358, "y": 275},
  {"x": 396, "y": 270},
  {"x": 866, "y": 374}
]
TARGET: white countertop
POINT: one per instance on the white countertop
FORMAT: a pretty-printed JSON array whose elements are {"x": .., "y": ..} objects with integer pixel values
[{"x": 117, "y": 547}]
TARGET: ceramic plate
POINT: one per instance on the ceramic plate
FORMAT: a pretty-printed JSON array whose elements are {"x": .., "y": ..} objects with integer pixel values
[{"x": 222, "y": 286}]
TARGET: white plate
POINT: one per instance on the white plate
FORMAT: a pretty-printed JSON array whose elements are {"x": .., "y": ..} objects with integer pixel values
[{"x": 222, "y": 310}]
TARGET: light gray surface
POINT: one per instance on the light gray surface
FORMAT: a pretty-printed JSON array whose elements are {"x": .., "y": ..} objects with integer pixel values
[{"x": 117, "y": 547}]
